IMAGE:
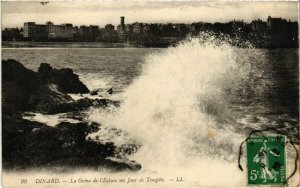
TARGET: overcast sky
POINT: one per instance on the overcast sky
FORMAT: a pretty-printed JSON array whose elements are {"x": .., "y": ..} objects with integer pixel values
[{"x": 14, "y": 14}]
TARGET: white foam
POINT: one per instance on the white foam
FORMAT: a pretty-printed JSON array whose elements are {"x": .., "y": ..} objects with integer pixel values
[
  {"x": 177, "y": 111},
  {"x": 50, "y": 120},
  {"x": 171, "y": 111}
]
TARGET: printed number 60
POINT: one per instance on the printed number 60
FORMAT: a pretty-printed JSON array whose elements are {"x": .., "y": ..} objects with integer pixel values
[{"x": 253, "y": 174}]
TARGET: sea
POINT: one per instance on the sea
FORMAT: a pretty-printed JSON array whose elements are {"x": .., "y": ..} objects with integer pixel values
[{"x": 188, "y": 107}]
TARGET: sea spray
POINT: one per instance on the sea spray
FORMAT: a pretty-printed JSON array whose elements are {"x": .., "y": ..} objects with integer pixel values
[{"x": 177, "y": 110}]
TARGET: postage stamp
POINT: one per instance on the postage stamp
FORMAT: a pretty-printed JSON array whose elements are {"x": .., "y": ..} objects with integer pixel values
[{"x": 266, "y": 160}]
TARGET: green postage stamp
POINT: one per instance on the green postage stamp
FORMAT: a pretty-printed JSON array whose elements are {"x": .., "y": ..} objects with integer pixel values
[{"x": 266, "y": 160}]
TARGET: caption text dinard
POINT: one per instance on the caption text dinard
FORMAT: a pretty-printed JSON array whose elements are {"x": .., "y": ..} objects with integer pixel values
[{"x": 105, "y": 180}]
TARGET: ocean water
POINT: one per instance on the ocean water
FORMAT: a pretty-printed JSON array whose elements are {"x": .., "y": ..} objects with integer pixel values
[
  {"x": 97, "y": 67},
  {"x": 189, "y": 107}
]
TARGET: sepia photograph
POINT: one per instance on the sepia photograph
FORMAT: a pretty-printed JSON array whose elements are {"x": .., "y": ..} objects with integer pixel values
[{"x": 149, "y": 93}]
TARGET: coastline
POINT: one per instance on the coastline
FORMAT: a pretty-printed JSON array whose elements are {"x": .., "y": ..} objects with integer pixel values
[
  {"x": 99, "y": 45},
  {"x": 25, "y": 141},
  {"x": 26, "y": 44}
]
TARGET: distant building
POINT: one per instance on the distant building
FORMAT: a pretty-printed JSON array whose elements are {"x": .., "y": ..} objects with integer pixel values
[
  {"x": 181, "y": 28},
  {"x": 88, "y": 33},
  {"x": 49, "y": 30},
  {"x": 121, "y": 30},
  {"x": 109, "y": 28},
  {"x": 146, "y": 29},
  {"x": 273, "y": 33},
  {"x": 275, "y": 22},
  {"x": 60, "y": 31},
  {"x": 95, "y": 31},
  {"x": 192, "y": 27},
  {"x": 237, "y": 24},
  {"x": 129, "y": 29},
  {"x": 84, "y": 30},
  {"x": 281, "y": 33},
  {"x": 32, "y": 30},
  {"x": 137, "y": 28},
  {"x": 29, "y": 29},
  {"x": 109, "y": 34}
]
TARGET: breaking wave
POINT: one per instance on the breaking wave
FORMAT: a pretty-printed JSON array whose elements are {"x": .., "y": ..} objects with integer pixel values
[{"x": 179, "y": 109}]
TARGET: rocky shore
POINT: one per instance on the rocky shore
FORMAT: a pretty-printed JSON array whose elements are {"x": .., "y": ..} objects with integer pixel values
[{"x": 34, "y": 145}]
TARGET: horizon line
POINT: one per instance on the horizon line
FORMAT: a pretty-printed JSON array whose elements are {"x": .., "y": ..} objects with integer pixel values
[{"x": 238, "y": 20}]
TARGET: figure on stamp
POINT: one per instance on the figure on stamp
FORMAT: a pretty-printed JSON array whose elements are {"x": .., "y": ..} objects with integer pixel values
[{"x": 262, "y": 158}]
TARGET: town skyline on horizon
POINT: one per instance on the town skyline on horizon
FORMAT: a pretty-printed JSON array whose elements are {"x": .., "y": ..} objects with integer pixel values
[
  {"x": 101, "y": 13},
  {"x": 237, "y": 20}
]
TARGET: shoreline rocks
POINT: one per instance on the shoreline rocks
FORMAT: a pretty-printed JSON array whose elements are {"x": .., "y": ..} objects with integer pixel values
[
  {"x": 65, "y": 79},
  {"x": 18, "y": 85},
  {"x": 44, "y": 91},
  {"x": 74, "y": 106},
  {"x": 24, "y": 89},
  {"x": 29, "y": 144},
  {"x": 94, "y": 92}
]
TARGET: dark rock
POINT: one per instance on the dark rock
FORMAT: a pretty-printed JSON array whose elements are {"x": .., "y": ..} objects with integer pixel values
[
  {"x": 110, "y": 91},
  {"x": 24, "y": 89},
  {"x": 76, "y": 115},
  {"x": 47, "y": 144},
  {"x": 48, "y": 96},
  {"x": 94, "y": 164},
  {"x": 81, "y": 104},
  {"x": 119, "y": 165},
  {"x": 29, "y": 144},
  {"x": 94, "y": 92},
  {"x": 18, "y": 84},
  {"x": 64, "y": 145},
  {"x": 14, "y": 140},
  {"x": 45, "y": 72},
  {"x": 86, "y": 102},
  {"x": 65, "y": 79},
  {"x": 127, "y": 149}
]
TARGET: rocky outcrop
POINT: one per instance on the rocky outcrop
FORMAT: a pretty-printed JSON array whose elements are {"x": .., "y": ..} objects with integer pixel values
[
  {"x": 110, "y": 91},
  {"x": 43, "y": 91},
  {"x": 24, "y": 89},
  {"x": 81, "y": 104},
  {"x": 65, "y": 79},
  {"x": 28, "y": 144},
  {"x": 94, "y": 92},
  {"x": 18, "y": 85}
]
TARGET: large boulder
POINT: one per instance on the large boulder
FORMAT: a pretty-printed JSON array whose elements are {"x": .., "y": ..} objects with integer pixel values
[
  {"x": 49, "y": 96},
  {"x": 65, "y": 79}
]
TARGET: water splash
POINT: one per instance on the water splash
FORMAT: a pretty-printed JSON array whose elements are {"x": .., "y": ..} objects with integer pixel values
[{"x": 178, "y": 109}]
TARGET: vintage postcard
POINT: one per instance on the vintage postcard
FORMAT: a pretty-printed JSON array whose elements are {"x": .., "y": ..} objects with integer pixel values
[{"x": 149, "y": 93}]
